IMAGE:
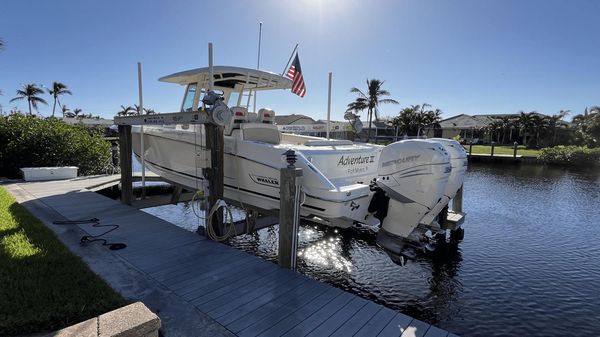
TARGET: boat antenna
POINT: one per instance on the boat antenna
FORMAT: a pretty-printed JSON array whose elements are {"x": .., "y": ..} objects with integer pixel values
[
  {"x": 329, "y": 105},
  {"x": 290, "y": 60},
  {"x": 258, "y": 58}
]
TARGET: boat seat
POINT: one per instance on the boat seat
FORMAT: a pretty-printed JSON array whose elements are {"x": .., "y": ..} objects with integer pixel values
[
  {"x": 258, "y": 132},
  {"x": 328, "y": 142}
]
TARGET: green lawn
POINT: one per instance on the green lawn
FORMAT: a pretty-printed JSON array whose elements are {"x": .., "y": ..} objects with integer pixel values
[
  {"x": 43, "y": 286},
  {"x": 486, "y": 149}
]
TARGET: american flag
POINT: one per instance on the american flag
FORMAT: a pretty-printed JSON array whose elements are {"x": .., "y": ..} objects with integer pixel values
[{"x": 295, "y": 74}]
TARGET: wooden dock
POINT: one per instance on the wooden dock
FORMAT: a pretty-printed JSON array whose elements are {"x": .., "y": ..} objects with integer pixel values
[{"x": 245, "y": 294}]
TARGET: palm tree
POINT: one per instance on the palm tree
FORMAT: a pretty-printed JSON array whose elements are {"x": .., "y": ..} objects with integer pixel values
[
  {"x": 76, "y": 112},
  {"x": 554, "y": 123},
  {"x": 405, "y": 121},
  {"x": 66, "y": 112},
  {"x": 31, "y": 92},
  {"x": 57, "y": 90},
  {"x": 370, "y": 100},
  {"x": 433, "y": 119},
  {"x": 125, "y": 110},
  {"x": 526, "y": 124}
]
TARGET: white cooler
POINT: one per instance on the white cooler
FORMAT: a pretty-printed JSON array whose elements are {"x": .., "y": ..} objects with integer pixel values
[{"x": 49, "y": 173}]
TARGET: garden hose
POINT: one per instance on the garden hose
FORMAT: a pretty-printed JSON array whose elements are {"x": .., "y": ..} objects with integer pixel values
[{"x": 86, "y": 239}]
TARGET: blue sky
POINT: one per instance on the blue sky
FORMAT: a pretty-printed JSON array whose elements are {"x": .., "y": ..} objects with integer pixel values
[{"x": 462, "y": 56}]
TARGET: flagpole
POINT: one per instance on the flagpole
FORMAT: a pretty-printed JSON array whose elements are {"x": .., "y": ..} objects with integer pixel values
[
  {"x": 329, "y": 105},
  {"x": 142, "y": 149},
  {"x": 290, "y": 60},
  {"x": 258, "y": 58}
]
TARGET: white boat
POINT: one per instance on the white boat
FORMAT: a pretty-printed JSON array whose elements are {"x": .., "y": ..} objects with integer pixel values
[{"x": 398, "y": 186}]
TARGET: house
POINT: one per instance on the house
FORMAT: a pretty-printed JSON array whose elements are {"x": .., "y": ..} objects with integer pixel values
[{"x": 473, "y": 127}]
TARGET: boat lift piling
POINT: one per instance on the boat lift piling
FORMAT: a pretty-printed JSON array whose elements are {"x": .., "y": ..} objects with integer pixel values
[
  {"x": 289, "y": 212},
  {"x": 125, "y": 152}
]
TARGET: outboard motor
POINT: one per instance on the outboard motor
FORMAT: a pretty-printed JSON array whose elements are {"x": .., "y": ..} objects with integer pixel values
[
  {"x": 414, "y": 175},
  {"x": 458, "y": 160}
]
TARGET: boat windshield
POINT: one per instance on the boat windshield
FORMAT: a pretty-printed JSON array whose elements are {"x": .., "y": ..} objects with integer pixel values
[{"x": 188, "y": 100}]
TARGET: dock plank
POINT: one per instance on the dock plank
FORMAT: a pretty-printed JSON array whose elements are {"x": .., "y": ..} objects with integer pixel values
[
  {"x": 298, "y": 316},
  {"x": 376, "y": 323},
  {"x": 359, "y": 319},
  {"x": 416, "y": 328},
  {"x": 322, "y": 296},
  {"x": 396, "y": 326},
  {"x": 296, "y": 297},
  {"x": 330, "y": 325},
  {"x": 436, "y": 332},
  {"x": 319, "y": 316}
]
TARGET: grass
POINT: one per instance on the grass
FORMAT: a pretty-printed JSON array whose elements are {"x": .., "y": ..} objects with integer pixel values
[
  {"x": 487, "y": 149},
  {"x": 43, "y": 286}
]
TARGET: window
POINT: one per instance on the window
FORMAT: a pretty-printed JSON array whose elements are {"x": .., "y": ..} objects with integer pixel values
[
  {"x": 188, "y": 101},
  {"x": 233, "y": 98}
]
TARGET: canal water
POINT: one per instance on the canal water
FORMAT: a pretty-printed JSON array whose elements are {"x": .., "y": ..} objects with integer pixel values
[{"x": 529, "y": 264}]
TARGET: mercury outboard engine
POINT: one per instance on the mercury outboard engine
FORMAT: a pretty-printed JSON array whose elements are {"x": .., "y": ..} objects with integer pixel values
[
  {"x": 414, "y": 175},
  {"x": 458, "y": 161}
]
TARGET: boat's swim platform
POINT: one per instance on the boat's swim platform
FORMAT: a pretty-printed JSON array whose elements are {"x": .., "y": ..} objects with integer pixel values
[{"x": 244, "y": 294}]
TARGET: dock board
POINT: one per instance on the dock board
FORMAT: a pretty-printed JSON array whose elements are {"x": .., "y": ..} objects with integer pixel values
[{"x": 245, "y": 294}]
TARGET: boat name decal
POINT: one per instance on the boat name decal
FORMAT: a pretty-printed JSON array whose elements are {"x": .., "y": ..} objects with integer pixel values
[
  {"x": 401, "y": 160},
  {"x": 347, "y": 160},
  {"x": 269, "y": 181}
]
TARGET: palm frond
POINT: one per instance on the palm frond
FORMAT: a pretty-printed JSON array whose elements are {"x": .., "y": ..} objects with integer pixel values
[{"x": 388, "y": 101}]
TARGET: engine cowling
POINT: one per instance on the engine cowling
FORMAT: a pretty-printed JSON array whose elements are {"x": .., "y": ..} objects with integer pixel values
[
  {"x": 459, "y": 162},
  {"x": 414, "y": 175}
]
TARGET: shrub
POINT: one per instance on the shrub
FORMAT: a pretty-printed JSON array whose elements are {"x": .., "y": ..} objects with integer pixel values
[
  {"x": 29, "y": 141},
  {"x": 570, "y": 155}
]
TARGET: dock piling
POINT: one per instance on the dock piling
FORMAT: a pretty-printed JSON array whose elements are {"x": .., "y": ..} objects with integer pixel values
[
  {"x": 125, "y": 151},
  {"x": 289, "y": 213}
]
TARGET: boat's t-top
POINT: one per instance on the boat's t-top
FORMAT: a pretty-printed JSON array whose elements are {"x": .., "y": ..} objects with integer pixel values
[{"x": 237, "y": 85}]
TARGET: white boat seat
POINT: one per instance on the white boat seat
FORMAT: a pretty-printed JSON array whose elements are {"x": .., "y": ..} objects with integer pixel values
[
  {"x": 258, "y": 132},
  {"x": 328, "y": 142}
]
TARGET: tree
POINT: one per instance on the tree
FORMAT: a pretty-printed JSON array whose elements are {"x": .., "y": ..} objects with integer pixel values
[
  {"x": 526, "y": 123},
  {"x": 554, "y": 123},
  {"x": 31, "y": 93},
  {"x": 66, "y": 112},
  {"x": 76, "y": 112},
  {"x": 405, "y": 122},
  {"x": 125, "y": 110},
  {"x": 370, "y": 101},
  {"x": 587, "y": 127},
  {"x": 57, "y": 90}
]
